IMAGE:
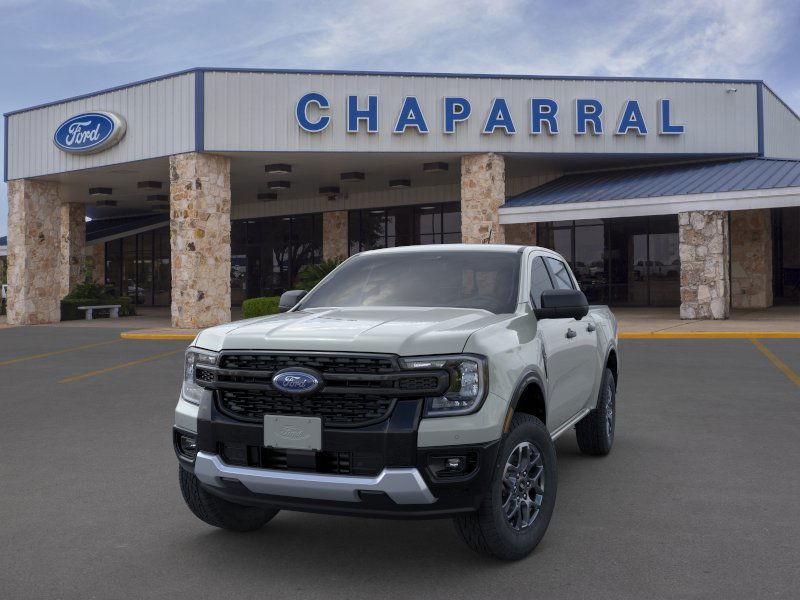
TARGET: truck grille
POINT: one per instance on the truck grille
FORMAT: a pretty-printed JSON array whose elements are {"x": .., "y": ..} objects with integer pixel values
[
  {"x": 337, "y": 463},
  {"x": 335, "y": 409},
  {"x": 358, "y": 389}
]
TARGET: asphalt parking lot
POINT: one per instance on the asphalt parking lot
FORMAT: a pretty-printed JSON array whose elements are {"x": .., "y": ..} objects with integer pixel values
[{"x": 700, "y": 497}]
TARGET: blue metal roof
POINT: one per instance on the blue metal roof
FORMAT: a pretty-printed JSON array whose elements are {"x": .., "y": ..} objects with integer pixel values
[{"x": 672, "y": 180}]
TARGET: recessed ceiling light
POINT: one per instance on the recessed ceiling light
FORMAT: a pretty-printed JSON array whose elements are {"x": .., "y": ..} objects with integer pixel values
[
  {"x": 267, "y": 196},
  {"x": 149, "y": 185},
  {"x": 158, "y": 198},
  {"x": 399, "y": 183},
  {"x": 435, "y": 167},
  {"x": 100, "y": 191},
  {"x": 159, "y": 207},
  {"x": 279, "y": 185},
  {"x": 278, "y": 168},
  {"x": 106, "y": 203},
  {"x": 352, "y": 176},
  {"x": 329, "y": 189}
]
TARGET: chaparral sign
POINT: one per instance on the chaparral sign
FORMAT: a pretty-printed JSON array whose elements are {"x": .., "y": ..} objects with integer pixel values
[
  {"x": 90, "y": 132},
  {"x": 588, "y": 116}
]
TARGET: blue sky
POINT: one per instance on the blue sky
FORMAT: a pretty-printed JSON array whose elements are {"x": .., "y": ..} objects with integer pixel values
[{"x": 56, "y": 49}]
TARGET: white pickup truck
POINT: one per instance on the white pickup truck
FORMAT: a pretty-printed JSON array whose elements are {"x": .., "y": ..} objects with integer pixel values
[{"x": 425, "y": 381}]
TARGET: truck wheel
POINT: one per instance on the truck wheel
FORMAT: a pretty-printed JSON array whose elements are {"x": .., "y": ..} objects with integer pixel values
[
  {"x": 516, "y": 510},
  {"x": 595, "y": 431},
  {"x": 218, "y": 512}
]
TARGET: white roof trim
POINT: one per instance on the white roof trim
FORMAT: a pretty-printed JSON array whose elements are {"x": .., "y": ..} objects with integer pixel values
[{"x": 655, "y": 205}]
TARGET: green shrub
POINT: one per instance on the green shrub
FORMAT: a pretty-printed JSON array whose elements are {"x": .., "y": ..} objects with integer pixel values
[
  {"x": 311, "y": 275},
  {"x": 259, "y": 307},
  {"x": 70, "y": 312}
]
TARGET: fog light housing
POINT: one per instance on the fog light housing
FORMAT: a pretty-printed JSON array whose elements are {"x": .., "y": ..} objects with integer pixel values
[
  {"x": 187, "y": 445},
  {"x": 453, "y": 465}
]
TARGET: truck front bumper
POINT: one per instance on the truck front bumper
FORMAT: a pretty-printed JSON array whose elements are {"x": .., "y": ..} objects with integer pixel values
[{"x": 388, "y": 475}]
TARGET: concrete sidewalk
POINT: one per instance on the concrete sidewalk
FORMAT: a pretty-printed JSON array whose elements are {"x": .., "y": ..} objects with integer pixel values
[{"x": 778, "y": 321}]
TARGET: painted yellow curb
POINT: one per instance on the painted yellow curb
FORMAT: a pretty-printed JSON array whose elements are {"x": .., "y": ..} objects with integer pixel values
[
  {"x": 131, "y": 335},
  {"x": 709, "y": 335}
]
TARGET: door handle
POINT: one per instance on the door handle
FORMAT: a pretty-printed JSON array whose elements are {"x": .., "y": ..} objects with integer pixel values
[
  {"x": 590, "y": 327},
  {"x": 571, "y": 333}
]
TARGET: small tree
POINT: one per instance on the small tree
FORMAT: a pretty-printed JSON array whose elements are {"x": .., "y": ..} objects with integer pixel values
[{"x": 311, "y": 275}]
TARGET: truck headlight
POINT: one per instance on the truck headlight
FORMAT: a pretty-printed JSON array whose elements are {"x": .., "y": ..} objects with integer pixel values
[
  {"x": 190, "y": 391},
  {"x": 468, "y": 383}
]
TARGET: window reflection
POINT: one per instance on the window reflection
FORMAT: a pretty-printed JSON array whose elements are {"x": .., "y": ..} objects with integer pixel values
[{"x": 370, "y": 229}]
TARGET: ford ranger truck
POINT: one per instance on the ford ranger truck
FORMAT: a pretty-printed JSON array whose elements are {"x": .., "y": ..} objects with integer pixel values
[{"x": 416, "y": 382}]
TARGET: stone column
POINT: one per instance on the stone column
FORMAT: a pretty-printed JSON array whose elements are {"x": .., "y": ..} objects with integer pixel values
[
  {"x": 73, "y": 242},
  {"x": 703, "y": 247},
  {"x": 200, "y": 239},
  {"x": 33, "y": 252},
  {"x": 334, "y": 235},
  {"x": 523, "y": 234},
  {"x": 96, "y": 255},
  {"x": 483, "y": 192},
  {"x": 751, "y": 258}
]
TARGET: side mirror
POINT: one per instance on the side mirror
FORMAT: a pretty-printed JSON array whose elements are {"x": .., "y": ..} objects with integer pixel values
[
  {"x": 290, "y": 299},
  {"x": 562, "y": 304}
]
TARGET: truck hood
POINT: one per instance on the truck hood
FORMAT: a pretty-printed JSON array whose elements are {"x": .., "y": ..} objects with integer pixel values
[{"x": 403, "y": 331}]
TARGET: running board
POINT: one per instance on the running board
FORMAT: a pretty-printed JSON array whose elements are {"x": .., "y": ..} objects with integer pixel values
[{"x": 577, "y": 417}]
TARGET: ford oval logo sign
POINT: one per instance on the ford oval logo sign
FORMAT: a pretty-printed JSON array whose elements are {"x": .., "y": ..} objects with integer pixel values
[
  {"x": 292, "y": 381},
  {"x": 90, "y": 132}
]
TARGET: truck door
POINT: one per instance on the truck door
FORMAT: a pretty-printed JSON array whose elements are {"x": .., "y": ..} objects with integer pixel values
[
  {"x": 563, "y": 341},
  {"x": 580, "y": 353}
]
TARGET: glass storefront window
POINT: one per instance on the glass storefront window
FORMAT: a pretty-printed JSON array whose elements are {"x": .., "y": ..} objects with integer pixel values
[
  {"x": 622, "y": 262},
  {"x": 370, "y": 229}
]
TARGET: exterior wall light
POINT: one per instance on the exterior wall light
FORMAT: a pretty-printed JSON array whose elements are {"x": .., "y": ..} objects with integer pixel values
[
  {"x": 149, "y": 185},
  {"x": 106, "y": 203},
  {"x": 267, "y": 196},
  {"x": 100, "y": 191},
  {"x": 158, "y": 198},
  {"x": 278, "y": 168},
  {"x": 279, "y": 185},
  {"x": 435, "y": 167},
  {"x": 352, "y": 176},
  {"x": 399, "y": 183}
]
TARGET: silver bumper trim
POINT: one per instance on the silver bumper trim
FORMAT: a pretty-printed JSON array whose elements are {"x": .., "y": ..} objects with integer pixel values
[{"x": 404, "y": 486}]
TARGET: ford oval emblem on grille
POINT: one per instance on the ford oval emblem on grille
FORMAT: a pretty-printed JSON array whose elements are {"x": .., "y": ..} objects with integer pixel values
[{"x": 295, "y": 381}]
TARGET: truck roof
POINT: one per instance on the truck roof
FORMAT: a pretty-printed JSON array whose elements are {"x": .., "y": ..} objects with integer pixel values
[{"x": 448, "y": 248}]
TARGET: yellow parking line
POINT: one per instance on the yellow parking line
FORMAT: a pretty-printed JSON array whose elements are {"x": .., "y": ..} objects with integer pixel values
[
  {"x": 132, "y": 363},
  {"x": 157, "y": 336},
  {"x": 709, "y": 335},
  {"x": 779, "y": 364},
  {"x": 54, "y": 353}
]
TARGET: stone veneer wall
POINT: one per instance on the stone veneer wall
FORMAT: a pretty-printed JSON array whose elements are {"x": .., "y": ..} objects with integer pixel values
[
  {"x": 751, "y": 258},
  {"x": 523, "y": 234},
  {"x": 72, "y": 245},
  {"x": 33, "y": 252},
  {"x": 483, "y": 192},
  {"x": 200, "y": 239},
  {"x": 703, "y": 247},
  {"x": 96, "y": 256},
  {"x": 334, "y": 235}
]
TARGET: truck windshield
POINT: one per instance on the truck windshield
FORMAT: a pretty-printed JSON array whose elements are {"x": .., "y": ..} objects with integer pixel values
[{"x": 456, "y": 279}]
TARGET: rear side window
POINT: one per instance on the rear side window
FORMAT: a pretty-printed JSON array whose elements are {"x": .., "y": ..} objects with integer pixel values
[
  {"x": 540, "y": 281},
  {"x": 561, "y": 277}
]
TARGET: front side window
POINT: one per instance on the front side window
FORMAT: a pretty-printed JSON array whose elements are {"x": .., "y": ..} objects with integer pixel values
[
  {"x": 540, "y": 281},
  {"x": 461, "y": 279},
  {"x": 561, "y": 277}
]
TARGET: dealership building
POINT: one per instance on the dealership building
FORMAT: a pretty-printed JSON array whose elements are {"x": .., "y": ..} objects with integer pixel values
[{"x": 210, "y": 186}]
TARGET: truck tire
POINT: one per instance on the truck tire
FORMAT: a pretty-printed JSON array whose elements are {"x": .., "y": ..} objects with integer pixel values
[
  {"x": 595, "y": 431},
  {"x": 516, "y": 510},
  {"x": 218, "y": 512}
]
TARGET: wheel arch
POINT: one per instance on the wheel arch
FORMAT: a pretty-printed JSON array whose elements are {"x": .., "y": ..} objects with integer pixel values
[{"x": 529, "y": 398}]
